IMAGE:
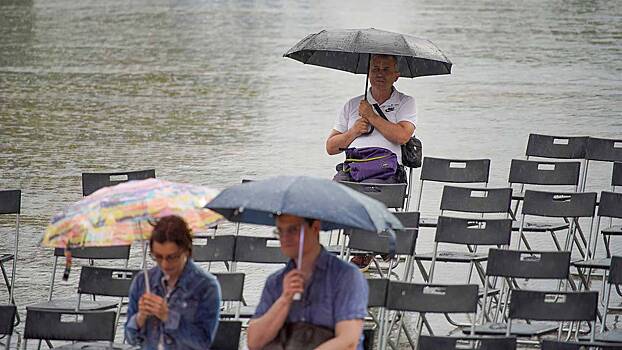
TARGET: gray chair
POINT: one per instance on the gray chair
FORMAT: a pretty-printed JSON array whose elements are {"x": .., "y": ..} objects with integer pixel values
[
  {"x": 92, "y": 182},
  {"x": 614, "y": 279},
  {"x": 69, "y": 326},
  {"x": 480, "y": 217},
  {"x": 511, "y": 265},
  {"x": 10, "y": 204},
  {"x": 231, "y": 290},
  {"x": 431, "y": 298},
  {"x": 377, "y": 299},
  {"x": 554, "y": 306},
  {"x": 427, "y": 342},
  {"x": 569, "y": 206},
  {"x": 392, "y": 195},
  {"x": 7, "y": 322},
  {"x": 603, "y": 150},
  {"x": 543, "y": 173},
  {"x": 219, "y": 248},
  {"x": 227, "y": 335}
]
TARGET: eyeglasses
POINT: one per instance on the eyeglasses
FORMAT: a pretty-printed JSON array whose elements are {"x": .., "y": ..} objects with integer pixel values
[
  {"x": 289, "y": 231},
  {"x": 169, "y": 258}
]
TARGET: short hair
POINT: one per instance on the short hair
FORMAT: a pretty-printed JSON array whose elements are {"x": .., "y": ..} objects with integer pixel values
[
  {"x": 397, "y": 68},
  {"x": 174, "y": 229}
]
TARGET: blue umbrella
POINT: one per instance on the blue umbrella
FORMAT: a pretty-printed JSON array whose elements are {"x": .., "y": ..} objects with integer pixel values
[{"x": 335, "y": 205}]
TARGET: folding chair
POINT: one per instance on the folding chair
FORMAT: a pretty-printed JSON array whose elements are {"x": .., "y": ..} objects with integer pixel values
[
  {"x": 604, "y": 150},
  {"x": 7, "y": 322},
  {"x": 610, "y": 206},
  {"x": 471, "y": 231},
  {"x": 10, "y": 203},
  {"x": 543, "y": 173},
  {"x": 69, "y": 326},
  {"x": 92, "y": 182},
  {"x": 231, "y": 290},
  {"x": 214, "y": 249},
  {"x": 568, "y": 345},
  {"x": 431, "y": 298},
  {"x": 614, "y": 279},
  {"x": 567, "y": 205},
  {"x": 363, "y": 242},
  {"x": 427, "y": 342},
  {"x": 377, "y": 298},
  {"x": 227, "y": 335},
  {"x": 91, "y": 253},
  {"x": 511, "y": 265},
  {"x": 558, "y": 147},
  {"x": 554, "y": 306},
  {"x": 259, "y": 250}
]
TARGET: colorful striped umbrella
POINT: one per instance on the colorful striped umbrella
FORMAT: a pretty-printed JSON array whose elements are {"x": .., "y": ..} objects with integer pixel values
[{"x": 121, "y": 214}]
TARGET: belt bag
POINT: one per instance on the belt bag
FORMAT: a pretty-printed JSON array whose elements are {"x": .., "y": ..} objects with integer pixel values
[
  {"x": 300, "y": 336},
  {"x": 411, "y": 151},
  {"x": 370, "y": 163}
]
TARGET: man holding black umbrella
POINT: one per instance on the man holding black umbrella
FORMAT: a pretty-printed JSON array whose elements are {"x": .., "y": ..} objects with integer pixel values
[
  {"x": 315, "y": 293},
  {"x": 390, "y": 132}
]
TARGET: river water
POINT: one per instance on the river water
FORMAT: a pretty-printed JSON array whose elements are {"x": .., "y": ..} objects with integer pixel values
[{"x": 199, "y": 90}]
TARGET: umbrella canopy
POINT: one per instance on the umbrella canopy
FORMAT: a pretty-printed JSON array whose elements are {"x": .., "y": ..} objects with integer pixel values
[
  {"x": 121, "y": 214},
  {"x": 335, "y": 205},
  {"x": 350, "y": 49}
]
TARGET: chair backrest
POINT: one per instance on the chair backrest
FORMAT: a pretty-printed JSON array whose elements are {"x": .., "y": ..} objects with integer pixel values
[
  {"x": 216, "y": 248},
  {"x": 392, "y": 195},
  {"x": 610, "y": 204},
  {"x": 615, "y": 270},
  {"x": 432, "y": 298},
  {"x": 616, "y": 177},
  {"x": 561, "y": 147},
  {"x": 227, "y": 336},
  {"x": 476, "y": 200},
  {"x": 427, "y": 342},
  {"x": 528, "y": 264},
  {"x": 231, "y": 285},
  {"x": 92, "y": 182},
  {"x": 7, "y": 318},
  {"x": 378, "y": 288},
  {"x": 608, "y": 150},
  {"x": 106, "y": 281},
  {"x": 121, "y": 252},
  {"x": 553, "y": 306},
  {"x": 258, "y": 250},
  {"x": 10, "y": 201},
  {"x": 544, "y": 173},
  {"x": 405, "y": 240},
  {"x": 473, "y": 231},
  {"x": 455, "y": 170},
  {"x": 559, "y": 204},
  {"x": 69, "y": 325},
  {"x": 564, "y": 345}
]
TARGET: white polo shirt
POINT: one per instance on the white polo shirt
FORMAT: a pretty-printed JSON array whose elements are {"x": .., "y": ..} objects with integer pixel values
[{"x": 399, "y": 107}]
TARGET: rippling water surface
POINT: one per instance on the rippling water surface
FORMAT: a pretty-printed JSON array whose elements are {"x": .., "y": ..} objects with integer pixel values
[{"x": 199, "y": 90}]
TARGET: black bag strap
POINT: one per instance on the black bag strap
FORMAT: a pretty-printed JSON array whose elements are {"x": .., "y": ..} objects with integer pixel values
[{"x": 380, "y": 113}]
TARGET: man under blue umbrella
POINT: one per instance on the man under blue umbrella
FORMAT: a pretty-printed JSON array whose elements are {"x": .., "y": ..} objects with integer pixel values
[{"x": 315, "y": 291}]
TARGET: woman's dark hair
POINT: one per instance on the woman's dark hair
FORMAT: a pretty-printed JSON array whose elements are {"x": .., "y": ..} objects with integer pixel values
[{"x": 174, "y": 229}]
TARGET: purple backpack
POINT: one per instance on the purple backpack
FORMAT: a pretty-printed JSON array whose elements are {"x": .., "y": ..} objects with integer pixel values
[{"x": 370, "y": 163}]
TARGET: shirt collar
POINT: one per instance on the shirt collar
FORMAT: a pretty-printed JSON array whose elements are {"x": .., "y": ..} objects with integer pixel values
[
  {"x": 372, "y": 100},
  {"x": 184, "y": 280}
]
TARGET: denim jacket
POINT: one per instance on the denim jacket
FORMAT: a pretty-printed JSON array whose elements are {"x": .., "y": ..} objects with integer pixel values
[{"x": 194, "y": 309}]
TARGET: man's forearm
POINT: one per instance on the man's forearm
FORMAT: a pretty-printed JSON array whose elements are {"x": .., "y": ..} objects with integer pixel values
[
  {"x": 336, "y": 143},
  {"x": 395, "y": 133},
  {"x": 263, "y": 329},
  {"x": 339, "y": 343}
]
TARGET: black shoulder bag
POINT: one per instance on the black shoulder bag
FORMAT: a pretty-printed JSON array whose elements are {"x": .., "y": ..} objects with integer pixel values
[{"x": 411, "y": 150}]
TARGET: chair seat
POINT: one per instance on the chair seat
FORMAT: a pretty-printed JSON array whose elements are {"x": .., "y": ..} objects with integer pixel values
[
  {"x": 518, "y": 329},
  {"x": 614, "y": 230},
  {"x": 528, "y": 226},
  {"x": 96, "y": 346},
  {"x": 4, "y": 257},
  {"x": 448, "y": 256},
  {"x": 245, "y": 312},
  {"x": 70, "y": 304},
  {"x": 600, "y": 263}
]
